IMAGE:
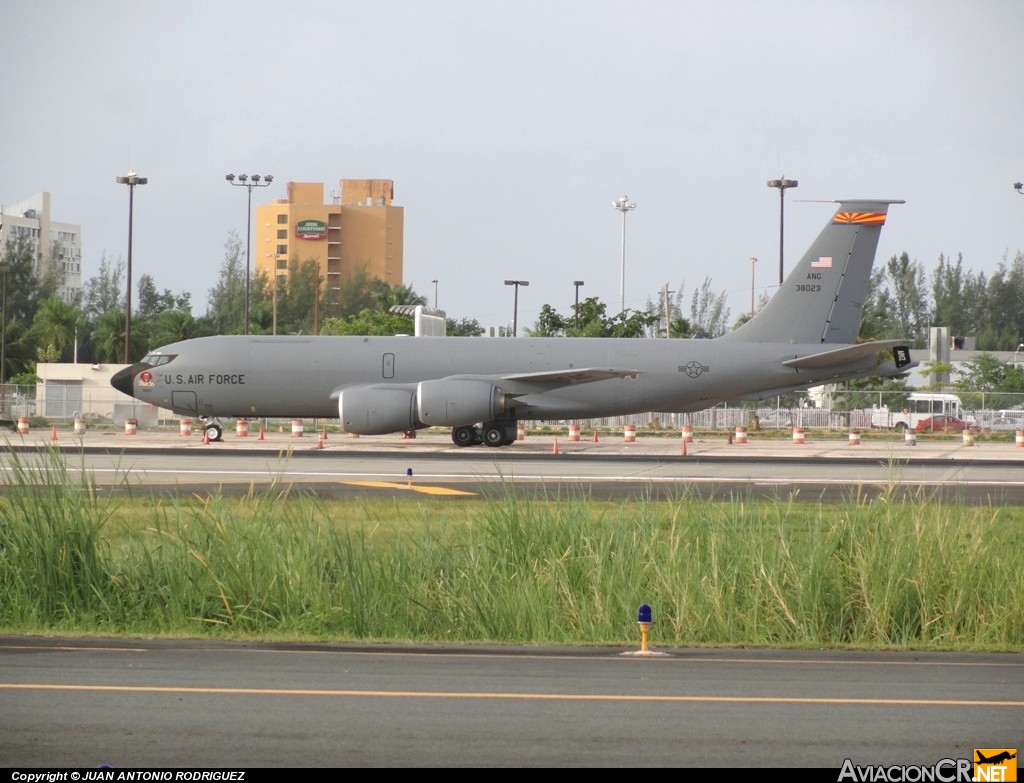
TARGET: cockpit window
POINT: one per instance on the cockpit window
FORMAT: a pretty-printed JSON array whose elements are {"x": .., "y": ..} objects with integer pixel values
[{"x": 157, "y": 359}]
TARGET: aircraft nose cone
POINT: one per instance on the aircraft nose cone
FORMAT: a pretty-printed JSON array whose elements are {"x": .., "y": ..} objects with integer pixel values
[{"x": 123, "y": 380}]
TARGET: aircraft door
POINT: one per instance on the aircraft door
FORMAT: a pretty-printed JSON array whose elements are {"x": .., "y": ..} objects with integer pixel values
[
  {"x": 184, "y": 401},
  {"x": 388, "y": 366}
]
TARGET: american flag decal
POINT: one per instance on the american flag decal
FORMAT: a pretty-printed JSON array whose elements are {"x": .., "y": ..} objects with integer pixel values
[
  {"x": 823, "y": 262},
  {"x": 861, "y": 218}
]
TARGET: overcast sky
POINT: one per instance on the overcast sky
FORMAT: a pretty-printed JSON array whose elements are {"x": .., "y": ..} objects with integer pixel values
[{"x": 510, "y": 128}]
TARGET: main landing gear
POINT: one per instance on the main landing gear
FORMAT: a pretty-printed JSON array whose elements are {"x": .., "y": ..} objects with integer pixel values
[{"x": 492, "y": 433}]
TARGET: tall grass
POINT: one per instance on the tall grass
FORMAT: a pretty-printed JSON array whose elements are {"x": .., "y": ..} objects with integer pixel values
[{"x": 567, "y": 570}]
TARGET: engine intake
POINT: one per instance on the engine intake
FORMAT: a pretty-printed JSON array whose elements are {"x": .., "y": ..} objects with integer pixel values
[{"x": 377, "y": 410}]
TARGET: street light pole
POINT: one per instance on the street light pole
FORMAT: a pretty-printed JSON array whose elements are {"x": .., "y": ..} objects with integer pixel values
[
  {"x": 3, "y": 326},
  {"x": 3, "y": 334},
  {"x": 753, "y": 261},
  {"x": 247, "y": 182},
  {"x": 782, "y": 185},
  {"x": 435, "y": 293},
  {"x": 624, "y": 205},
  {"x": 131, "y": 179},
  {"x": 316, "y": 301},
  {"x": 577, "y": 284},
  {"x": 515, "y": 305}
]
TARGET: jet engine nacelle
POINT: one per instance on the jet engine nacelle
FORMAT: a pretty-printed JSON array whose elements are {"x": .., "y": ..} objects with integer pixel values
[
  {"x": 451, "y": 402},
  {"x": 377, "y": 410}
]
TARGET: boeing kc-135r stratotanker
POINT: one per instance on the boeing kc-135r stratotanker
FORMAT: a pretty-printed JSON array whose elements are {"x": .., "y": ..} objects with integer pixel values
[{"x": 804, "y": 336}]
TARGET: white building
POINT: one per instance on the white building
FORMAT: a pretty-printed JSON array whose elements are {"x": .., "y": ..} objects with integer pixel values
[{"x": 50, "y": 239}]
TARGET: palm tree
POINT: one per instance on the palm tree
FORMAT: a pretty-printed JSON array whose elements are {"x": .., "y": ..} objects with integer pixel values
[
  {"x": 108, "y": 336},
  {"x": 387, "y": 296},
  {"x": 56, "y": 324},
  {"x": 173, "y": 326}
]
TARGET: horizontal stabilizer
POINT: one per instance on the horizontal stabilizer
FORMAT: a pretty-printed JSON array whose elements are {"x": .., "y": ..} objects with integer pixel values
[
  {"x": 884, "y": 370},
  {"x": 844, "y": 355}
]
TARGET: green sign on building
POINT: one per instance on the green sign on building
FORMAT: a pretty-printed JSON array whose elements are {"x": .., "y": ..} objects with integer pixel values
[{"x": 311, "y": 229}]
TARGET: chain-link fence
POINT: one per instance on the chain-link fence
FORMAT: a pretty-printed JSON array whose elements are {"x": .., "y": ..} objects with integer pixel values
[
  {"x": 836, "y": 410},
  {"x": 17, "y": 402}
]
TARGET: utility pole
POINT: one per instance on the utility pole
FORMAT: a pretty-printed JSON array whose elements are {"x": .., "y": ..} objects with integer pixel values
[{"x": 668, "y": 314}]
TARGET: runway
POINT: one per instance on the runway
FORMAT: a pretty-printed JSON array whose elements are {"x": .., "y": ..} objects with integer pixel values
[
  {"x": 818, "y": 470},
  {"x": 208, "y": 704}
]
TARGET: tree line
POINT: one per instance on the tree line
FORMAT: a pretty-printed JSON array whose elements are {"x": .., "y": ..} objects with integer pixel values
[{"x": 903, "y": 302}]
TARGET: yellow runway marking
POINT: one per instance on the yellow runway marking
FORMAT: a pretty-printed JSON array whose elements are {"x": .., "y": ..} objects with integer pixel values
[
  {"x": 395, "y": 485},
  {"x": 518, "y": 696}
]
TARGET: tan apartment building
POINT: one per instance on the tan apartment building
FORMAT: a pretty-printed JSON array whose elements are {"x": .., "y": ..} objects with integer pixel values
[
  {"x": 360, "y": 229},
  {"x": 53, "y": 242}
]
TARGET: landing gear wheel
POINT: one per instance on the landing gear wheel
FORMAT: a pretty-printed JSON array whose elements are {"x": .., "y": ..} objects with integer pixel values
[
  {"x": 464, "y": 436},
  {"x": 214, "y": 432},
  {"x": 494, "y": 435}
]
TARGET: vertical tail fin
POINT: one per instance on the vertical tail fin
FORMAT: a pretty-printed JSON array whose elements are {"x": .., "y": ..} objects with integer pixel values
[{"x": 822, "y": 299}]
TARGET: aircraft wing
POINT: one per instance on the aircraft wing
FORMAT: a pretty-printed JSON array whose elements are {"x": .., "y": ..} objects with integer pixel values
[
  {"x": 518, "y": 384},
  {"x": 573, "y": 377},
  {"x": 844, "y": 355}
]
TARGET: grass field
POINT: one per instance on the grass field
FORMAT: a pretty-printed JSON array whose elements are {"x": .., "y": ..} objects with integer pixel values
[{"x": 879, "y": 574}]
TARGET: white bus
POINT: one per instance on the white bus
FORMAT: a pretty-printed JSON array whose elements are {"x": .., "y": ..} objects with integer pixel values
[{"x": 920, "y": 405}]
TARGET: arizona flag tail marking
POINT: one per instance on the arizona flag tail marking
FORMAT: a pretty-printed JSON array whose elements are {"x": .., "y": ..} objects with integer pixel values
[{"x": 861, "y": 218}]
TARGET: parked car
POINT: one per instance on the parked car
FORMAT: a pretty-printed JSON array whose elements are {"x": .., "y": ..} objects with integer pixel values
[
  {"x": 1004, "y": 424},
  {"x": 942, "y": 422}
]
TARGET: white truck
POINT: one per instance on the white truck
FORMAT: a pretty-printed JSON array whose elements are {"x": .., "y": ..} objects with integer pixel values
[{"x": 920, "y": 405}]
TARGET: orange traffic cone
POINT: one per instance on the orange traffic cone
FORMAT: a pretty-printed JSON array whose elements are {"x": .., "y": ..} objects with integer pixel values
[
  {"x": 554, "y": 450},
  {"x": 53, "y": 434},
  {"x": 730, "y": 438},
  {"x": 324, "y": 435},
  {"x": 595, "y": 436},
  {"x": 206, "y": 437},
  {"x": 261, "y": 435},
  {"x": 320, "y": 441}
]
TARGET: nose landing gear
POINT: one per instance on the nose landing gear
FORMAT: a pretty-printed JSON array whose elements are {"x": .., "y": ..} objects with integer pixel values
[{"x": 213, "y": 431}]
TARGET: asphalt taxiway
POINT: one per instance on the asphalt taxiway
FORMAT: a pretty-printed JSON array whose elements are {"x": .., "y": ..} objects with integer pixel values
[{"x": 827, "y": 469}]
